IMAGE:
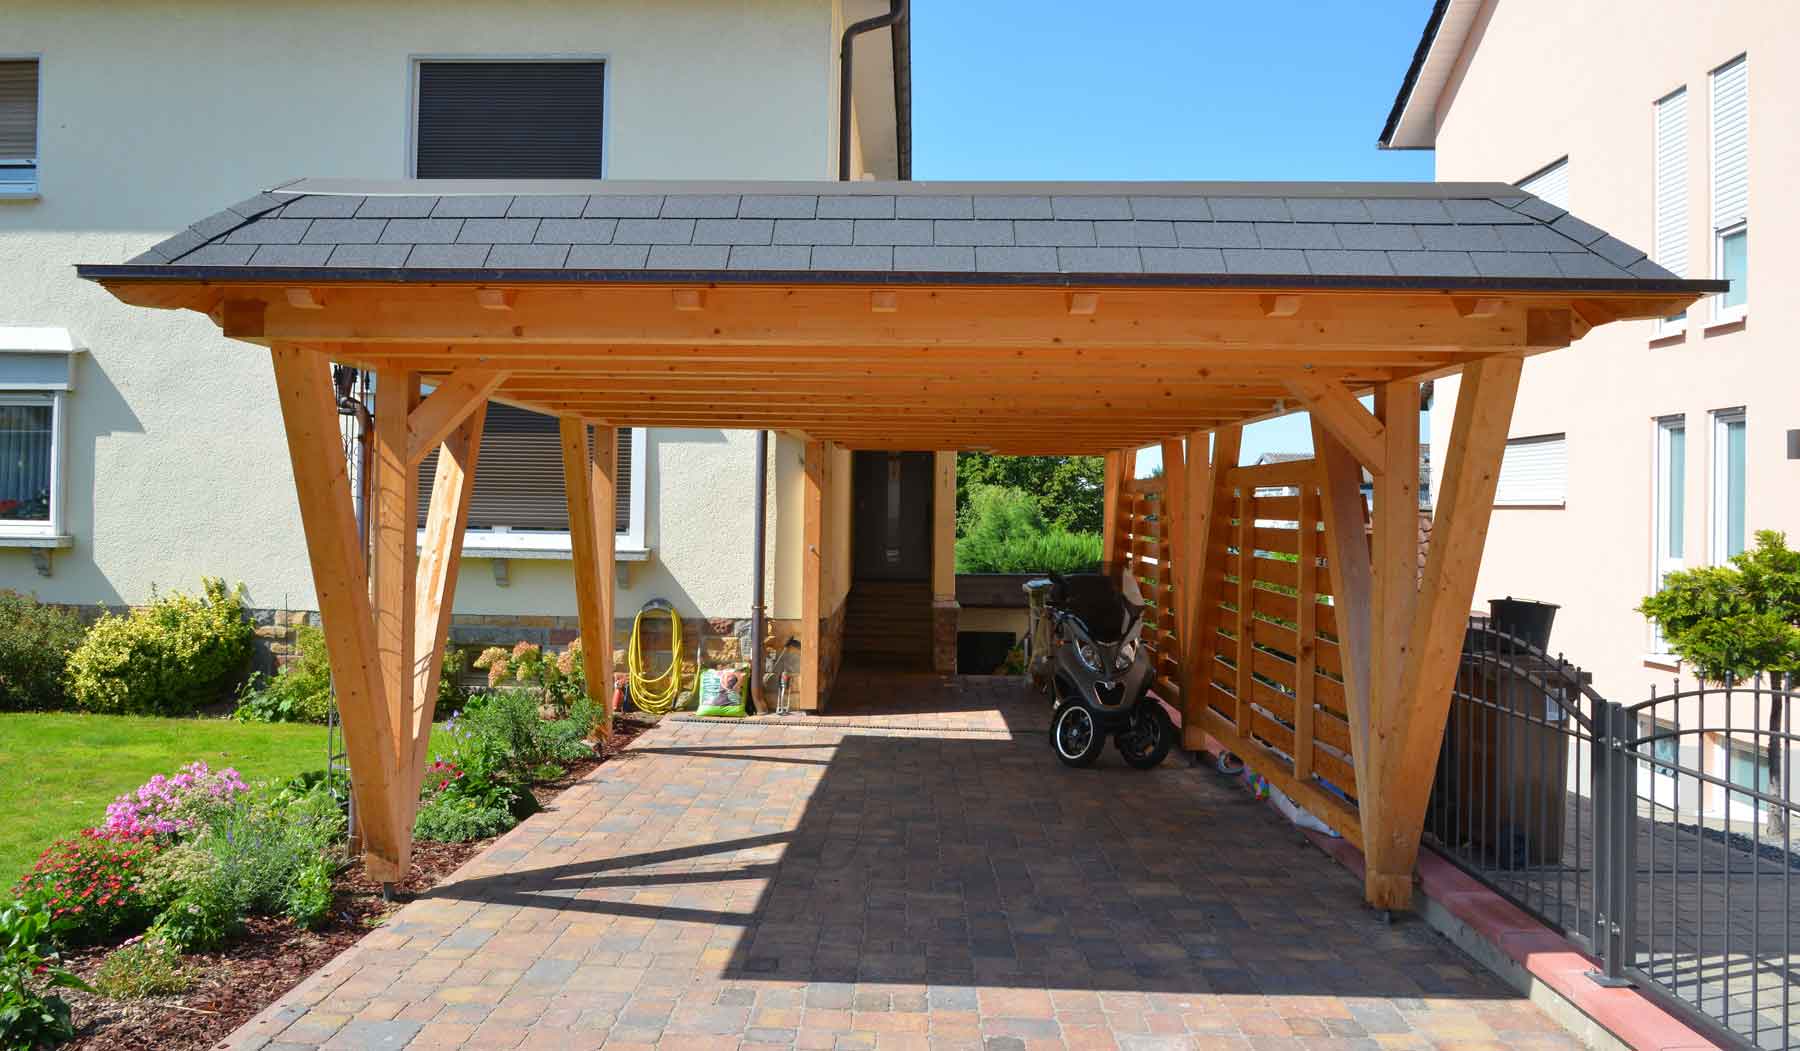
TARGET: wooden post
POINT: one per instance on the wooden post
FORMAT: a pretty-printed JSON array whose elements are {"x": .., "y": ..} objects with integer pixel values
[
  {"x": 394, "y": 571},
  {"x": 439, "y": 562},
  {"x": 943, "y": 528},
  {"x": 341, "y": 581},
  {"x": 1192, "y": 555},
  {"x": 1110, "y": 490},
  {"x": 1346, "y": 539},
  {"x": 812, "y": 516},
  {"x": 587, "y": 538},
  {"x": 597, "y": 651},
  {"x": 1396, "y": 537},
  {"x": 1305, "y": 661},
  {"x": 1203, "y": 647},
  {"x": 1409, "y": 726}
]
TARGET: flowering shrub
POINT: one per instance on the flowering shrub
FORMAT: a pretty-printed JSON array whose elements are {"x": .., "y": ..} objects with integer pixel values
[
  {"x": 557, "y": 678},
  {"x": 92, "y": 886},
  {"x": 165, "y": 806},
  {"x": 456, "y": 808}
]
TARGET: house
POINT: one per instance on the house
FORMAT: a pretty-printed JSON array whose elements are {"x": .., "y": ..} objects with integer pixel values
[
  {"x": 1671, "y": 442},
  {"x": 118, "y": 481}
]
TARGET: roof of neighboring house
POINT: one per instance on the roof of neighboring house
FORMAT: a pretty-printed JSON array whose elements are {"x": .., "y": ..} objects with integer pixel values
[
  {"x": 1451, "y": 236},
  {"x": 1412, "y": 122}
]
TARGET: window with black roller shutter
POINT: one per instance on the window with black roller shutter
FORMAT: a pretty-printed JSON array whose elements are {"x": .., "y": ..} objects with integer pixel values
[
  {"x": 519, "y": 475},
  {"x": 509, "y": 120}
]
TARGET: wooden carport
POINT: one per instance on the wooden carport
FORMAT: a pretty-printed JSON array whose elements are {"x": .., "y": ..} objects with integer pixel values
[{"x": 1017, "y": 318}]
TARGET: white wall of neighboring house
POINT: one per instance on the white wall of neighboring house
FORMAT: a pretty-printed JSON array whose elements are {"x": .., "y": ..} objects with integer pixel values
[
  {"x": 1519, "y": 100},
  {"x": 155, "y": 115}
]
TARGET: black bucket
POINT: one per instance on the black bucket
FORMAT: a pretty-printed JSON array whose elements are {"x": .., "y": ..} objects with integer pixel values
[{"x": 1524, "y": 619}]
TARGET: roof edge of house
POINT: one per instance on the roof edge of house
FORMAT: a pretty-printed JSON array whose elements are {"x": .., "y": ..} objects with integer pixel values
[{"x": 1427, "y": 40}]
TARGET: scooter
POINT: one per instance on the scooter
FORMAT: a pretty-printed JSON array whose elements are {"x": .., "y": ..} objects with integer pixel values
[{"x": 1082, "y": 648}]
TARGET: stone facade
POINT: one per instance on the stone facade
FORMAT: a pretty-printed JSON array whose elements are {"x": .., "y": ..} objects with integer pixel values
[{"x": 946, "y": 621}]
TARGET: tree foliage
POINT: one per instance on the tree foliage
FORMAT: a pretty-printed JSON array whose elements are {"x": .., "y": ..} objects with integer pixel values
[
  {"x": 1735, "y": 620},
  {"x": 1066, "y": 491},
  {"x": 1006, "y": 534}
]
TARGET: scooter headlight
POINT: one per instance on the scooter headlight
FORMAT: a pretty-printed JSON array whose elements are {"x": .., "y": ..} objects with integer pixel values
[
  {"x": 1089, "y": 655},
  {"x": 1127, "y": 654}
]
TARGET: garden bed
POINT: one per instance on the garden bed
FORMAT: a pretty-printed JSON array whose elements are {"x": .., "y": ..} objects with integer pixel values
[{"x": 231, "y": 985}]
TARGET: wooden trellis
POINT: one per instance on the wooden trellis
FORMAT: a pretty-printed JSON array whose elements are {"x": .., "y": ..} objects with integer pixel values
[{"x": 1144, "y": 545}]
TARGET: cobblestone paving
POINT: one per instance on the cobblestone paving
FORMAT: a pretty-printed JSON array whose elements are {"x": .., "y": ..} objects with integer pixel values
[{"x": 826, "y": 887}]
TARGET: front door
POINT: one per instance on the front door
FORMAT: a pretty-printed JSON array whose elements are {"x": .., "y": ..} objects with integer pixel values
[{"x": 892, "y": 528}]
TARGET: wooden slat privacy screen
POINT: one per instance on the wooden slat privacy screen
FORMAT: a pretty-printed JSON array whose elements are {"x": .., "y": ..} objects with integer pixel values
[
  {"x": 18, "y": 110},
  {"x": 517, "y": 120},
  {"x": 1274, "y": 692},
  {"x": 519, "y": 475}
]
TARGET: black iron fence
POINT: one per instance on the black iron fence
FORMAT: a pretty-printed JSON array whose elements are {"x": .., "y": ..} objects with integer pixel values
[{"x": 1658, "y": 836}]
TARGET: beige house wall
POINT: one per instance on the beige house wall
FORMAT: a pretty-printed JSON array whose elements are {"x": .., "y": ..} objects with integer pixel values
[
  {"x": 1521, "y": 99},
  {"x": 154, "y": 115}
]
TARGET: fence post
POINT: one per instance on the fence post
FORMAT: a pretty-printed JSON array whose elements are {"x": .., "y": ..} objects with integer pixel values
[{"x": 1615, "y": 835}]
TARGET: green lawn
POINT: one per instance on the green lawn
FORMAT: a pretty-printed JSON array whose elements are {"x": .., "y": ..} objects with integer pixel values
[{"x": 58, "y": 771}]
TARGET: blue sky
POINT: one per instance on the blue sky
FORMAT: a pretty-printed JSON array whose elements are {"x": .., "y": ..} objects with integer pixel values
[{"x": 1281, "y": 89}]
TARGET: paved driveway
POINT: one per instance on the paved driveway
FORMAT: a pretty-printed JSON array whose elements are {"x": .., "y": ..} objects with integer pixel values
[{"x": 852, "y": 884}]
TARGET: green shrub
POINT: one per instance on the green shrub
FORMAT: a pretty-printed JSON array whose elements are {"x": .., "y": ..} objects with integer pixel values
[
  {"x": 504, "y": 738},
  {"x": 298, "y": 693},
  {"x": 35, "y": 643},
  {"x": 1004, "y": 533},
  {"x": 168, "y": 658},
  {"x": 146, "y": 967},
  {"x": 457, "y": 808},
  {"x": 29, "y": 1016}
]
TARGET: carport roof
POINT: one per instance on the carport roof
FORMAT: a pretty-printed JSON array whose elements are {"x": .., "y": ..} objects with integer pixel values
[{"x": 1447, "y": 236}]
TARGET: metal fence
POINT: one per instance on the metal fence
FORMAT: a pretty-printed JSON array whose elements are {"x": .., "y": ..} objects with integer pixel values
[{"x": 1658, "y": 835}]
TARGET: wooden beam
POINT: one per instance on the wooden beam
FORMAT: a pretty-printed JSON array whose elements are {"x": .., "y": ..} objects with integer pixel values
[
  {"x": 1331, "y": 403},
  {"x": 341, "y": 583},
  {"x": 688, "y": 300},
  {"x": 305, "y": 299},
  {"x": 393, "y": 568},
  {"x": 943, "y": 527},
  {"x": 1412, "y": 728},
  {"x": 1346, "y": 542},
  {"x": 496, "y": 298},
  {"x": 884, "y": 302},
  {"x": 591, "y": 540},
  {"x": 1084, "y": 304},
  {"x": 597, "y": 653},
  {"x": 439, "y": 562},
  {"x": 1227, "y": 445},
  {"x": 1478, "y": 307},
  {"x": 1192, "y": 553},
  {"x": 449, "y": 404},
  {"x": 1111, "y": 485},
  {"x": 1305, "y": 661},
  {"x": 1395, "y": 554},
  {"x": 812, "y": 608}
]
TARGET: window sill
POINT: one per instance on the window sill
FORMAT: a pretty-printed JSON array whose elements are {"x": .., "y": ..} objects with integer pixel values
[
  {"x": 51, "y": 540},
  {"x": 1726, "y": 326},
  {"x": 20, "y": 195},
  {"x": 551, "y": 546},
  {"x": 1532, "y": 507},
  {"x": 1671, "y": 338},
  {"x": 1662, "y": 661}
]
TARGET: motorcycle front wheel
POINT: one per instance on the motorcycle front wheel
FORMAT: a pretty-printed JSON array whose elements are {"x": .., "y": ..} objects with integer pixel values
[
  {"x": 1145, "y": 744},
  {"x": 1075, "y": 736}
]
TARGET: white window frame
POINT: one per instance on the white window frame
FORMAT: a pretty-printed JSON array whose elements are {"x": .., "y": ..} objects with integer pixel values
[
  {"x": 1720, "y": 483},
  {"x": 628, "y": 546},
  {"x": 413, "y": 62},
  {"x": 1723, "y": 314},
  {"x": 33, "y": 190},
  {"x": 1664, "y": 505},
  {"x": 46, "y": 341}
]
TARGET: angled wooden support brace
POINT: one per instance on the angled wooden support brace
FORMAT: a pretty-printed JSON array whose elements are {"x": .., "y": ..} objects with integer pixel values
[
  {"x": 394, "y": 567},
  {"x": 1346, "y": 543},
  {"x": 461, "y": 393},
  {"x": 340, "y": 578},
  {"x": 1409, "y": 722},
  {"x": 588, "y": 483},
  {"x": 1332, "y": 404},
  {"x": 440, "y": 559},
  {"x": 1208, "y": 529}
]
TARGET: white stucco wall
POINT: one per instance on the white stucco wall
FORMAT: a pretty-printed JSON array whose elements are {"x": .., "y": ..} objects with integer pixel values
[
  {"x": 154, "y": 115},
  {"x": 1519, "y": 105}
]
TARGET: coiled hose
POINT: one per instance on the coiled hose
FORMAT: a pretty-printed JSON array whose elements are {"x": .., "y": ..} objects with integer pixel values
[{"x": 654, "y": 694}]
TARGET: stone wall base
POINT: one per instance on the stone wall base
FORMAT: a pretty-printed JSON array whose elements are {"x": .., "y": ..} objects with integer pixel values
[{"x": 946, "y": 621}]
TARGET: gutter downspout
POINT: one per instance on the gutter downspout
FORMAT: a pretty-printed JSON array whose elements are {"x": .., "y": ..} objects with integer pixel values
[
  {"x": 897, "y": 12},
  {"x": 759, "y": 572}
]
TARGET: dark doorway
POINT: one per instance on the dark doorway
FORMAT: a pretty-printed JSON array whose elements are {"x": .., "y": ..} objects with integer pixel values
[
  {"x": 888, "y": 623},
  {"x": 892, "y": 527}
]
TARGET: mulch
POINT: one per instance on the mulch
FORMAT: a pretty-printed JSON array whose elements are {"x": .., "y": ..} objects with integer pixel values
[{"x": 230, "y": 986}]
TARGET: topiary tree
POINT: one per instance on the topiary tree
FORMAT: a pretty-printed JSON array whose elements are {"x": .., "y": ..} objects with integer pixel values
[{"x": 1737, "y": 621}]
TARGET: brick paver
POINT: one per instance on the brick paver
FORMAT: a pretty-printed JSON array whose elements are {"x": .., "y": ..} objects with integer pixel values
[{"x": 858, "y": 884}]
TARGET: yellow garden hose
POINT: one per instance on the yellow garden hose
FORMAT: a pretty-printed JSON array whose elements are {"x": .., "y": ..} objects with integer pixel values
[{"x": 654, "y": 694}]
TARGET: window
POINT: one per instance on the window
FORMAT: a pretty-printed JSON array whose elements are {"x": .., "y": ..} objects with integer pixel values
[
  {"x": 1671, "y": 506},
  {"x": 1750, "y": 770},
  {"x": 1731, "y": 185},
  {"x": 36, "y": 367},
  {"x": 18, "y": 127},
  {"x": 1664, "y": 748},
  {"x": 1728, "y": 484},
  {"x": 519, "y": 504},
  {"x": 1670, "y": 232},
  {"x": 508, "y": 120},
  {"x": 1550, "y": 184},
  {"x": 1534, "y": 473}
]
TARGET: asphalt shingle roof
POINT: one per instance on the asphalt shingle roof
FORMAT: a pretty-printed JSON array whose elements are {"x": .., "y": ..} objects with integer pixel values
[{"x": 1323, "y": 234}]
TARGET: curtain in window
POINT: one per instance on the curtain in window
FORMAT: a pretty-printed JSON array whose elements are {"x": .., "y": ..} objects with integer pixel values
[{"x": 25, "y": 447}]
